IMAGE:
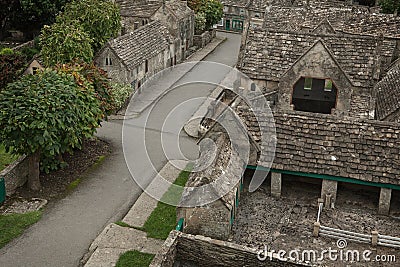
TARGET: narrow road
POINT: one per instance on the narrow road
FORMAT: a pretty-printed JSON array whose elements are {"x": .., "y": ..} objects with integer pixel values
[{"x": 69, "y": 226}]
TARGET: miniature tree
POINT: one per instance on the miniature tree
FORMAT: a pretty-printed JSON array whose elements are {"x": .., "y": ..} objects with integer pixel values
[{"x": 46, "y": 114}]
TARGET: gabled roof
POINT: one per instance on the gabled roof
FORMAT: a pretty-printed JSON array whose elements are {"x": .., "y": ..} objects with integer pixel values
[
  {"x": 138, "y": 8},
  {"x": 388, "y": 93},
  {"x": 144, "y": 43},
  {"x": 268, "y": 54},
  {"x": 179, "y": 9},
  {"x": 237, "y": 3},
  {"x": 346, "y": 18}
]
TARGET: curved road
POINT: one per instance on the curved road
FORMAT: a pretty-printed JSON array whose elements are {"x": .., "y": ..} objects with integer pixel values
[{"x": 69, "y": 226}]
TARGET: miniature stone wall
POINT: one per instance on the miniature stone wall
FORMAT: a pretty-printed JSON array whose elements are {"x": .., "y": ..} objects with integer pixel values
[
  {"x": 203, "y": 39},
  {"x": 182, "y": 249},
  {"x": 16, "y": 174}
]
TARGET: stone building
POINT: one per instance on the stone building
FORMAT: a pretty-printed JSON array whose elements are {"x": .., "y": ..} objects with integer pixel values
[
  {"x": 134, "y": 57},
  {"x": 174, "y": 14},
  {"x": 322, "y": 71},
  {"x": 235, "y": 15},
  {"x": 387, "y": 93},
  {"x": 216, "y": 218},
  {"x": 327, "y": 86}
]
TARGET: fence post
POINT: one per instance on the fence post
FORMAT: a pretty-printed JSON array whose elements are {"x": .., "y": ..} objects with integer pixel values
[
  {"x": 374, "y": 238},
  {"x": 317, "y": 225}
]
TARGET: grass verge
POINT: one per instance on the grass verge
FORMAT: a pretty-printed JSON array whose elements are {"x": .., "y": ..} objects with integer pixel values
[
  {"x": 13, "y": 225},
  {"x": 134, "y": 258},
  {"x": 163, "y": 218},
  {"x": 5, "y": 158}
]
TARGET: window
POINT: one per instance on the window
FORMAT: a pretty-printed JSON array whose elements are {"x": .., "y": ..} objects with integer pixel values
[
  {"x": 135, "y": 25},
  {"x": 241, "y": 11},
  {"x": 307, "y": 83},
  {"x": 108, "y": 61},
  {"x": 146, "y": 66},
  {"x": 35, "y": 70},
  {"x": 328, "y": 85}
]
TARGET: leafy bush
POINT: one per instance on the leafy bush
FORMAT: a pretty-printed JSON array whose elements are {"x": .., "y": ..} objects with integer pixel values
[
  {"x": 11, "y": 66},
  {"x": 48, "y": 113},
  {"x": 390, "y": 6},
  {"x": 213, "y": 11},
  {"x": 97, "y": 78},
  {"x": 29, "y": 52},
  {"x": 64, "y": 42},
  {"x": 200, "y": 23},
  {"x": 6, "y": 51},
  {"x": 100, "y": 19},
  {"x": 120, "y": 93}
]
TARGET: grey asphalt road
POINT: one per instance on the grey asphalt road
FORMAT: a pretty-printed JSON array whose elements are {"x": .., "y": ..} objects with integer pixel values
[{"x": 69, "y": 226}]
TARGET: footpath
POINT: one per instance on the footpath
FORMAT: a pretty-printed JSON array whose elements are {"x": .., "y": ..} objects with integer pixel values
[{"x": 114, "y": 240}]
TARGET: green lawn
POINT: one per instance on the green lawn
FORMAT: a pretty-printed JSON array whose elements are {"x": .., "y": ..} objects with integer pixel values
[
  {"x": 134, "y": 259},
  {"x": 5, "y": 158},
  {"x": 163, "y": 218},
  {"x": 13, "y": 225}
]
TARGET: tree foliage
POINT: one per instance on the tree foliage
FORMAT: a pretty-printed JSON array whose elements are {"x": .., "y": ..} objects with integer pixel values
[
  {"x": 98, "y": 80},
  {"x": 390, "y": 6},
  {"x": 213, "y": 11},
  {"x": 64, "y": 42},
  {"x": 199, "y": 23},
  {"x": 100, "y": 19},
  {"x": 11, "y": 66},
  {"x": 50, "y": 113},
  {"x": 120, "y": 93}
]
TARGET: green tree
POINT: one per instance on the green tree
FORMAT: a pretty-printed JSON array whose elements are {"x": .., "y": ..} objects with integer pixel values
[
  {"x": 213, "y": 11},
  {"x": 11, "y": 66},
  {"x": 199, "y": 23},
  {"x": 390, "y": 6},
  {"x": 65, "y": 42},
  {"x": 47, "y": 114},
  {"x": 97, "y": 78},
  {"x": 100, "y": 19}
]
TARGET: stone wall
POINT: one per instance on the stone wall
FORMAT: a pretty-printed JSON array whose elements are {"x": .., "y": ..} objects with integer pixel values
[
  {"x": 16, "y": 174},
  {"x": 203, "y": 39},
  {"x": 182, "y": 249}
]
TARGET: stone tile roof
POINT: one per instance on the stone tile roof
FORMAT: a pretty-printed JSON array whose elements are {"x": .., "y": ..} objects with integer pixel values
[
  {"x": 238, "y": 3},
  {"x": 268, "y": 54},
  {"x": 179, "y": 9},
  {"x": 138, "y": 8},
  {"x": 388, "y": 93},
  {"x": 324, "y": 144},
  {"x": 223, "y": 173},
  {"x": 144, "y": 43},
  {"x": 347, "y": 18}
]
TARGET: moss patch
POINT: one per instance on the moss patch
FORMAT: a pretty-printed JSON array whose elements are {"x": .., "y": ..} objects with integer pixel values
[
  {"x": 13, "y": 225},
  {"x": 134, "y": 258},
  {"x": 5, "y": 158},
  {"x": 163, "y": 218}
]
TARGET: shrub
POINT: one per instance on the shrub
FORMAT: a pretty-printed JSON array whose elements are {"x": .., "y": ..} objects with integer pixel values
[
  {"x": 11, "y": 67},
  {"x": 47, "y": 114},
  {"x": 200, "y": 23},
  {"x": 120, "y": 93},
  {"x": 64, "y": 42}
]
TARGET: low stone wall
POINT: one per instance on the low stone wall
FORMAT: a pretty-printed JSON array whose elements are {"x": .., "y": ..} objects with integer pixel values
[
  {"x": 16, "y": 174},
  {"x": 182, "y": 249},
  {"x": 203, "y": 39}
]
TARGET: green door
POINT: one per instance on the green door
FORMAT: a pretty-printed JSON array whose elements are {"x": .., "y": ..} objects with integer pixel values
[{"x": 227, "y": 24}]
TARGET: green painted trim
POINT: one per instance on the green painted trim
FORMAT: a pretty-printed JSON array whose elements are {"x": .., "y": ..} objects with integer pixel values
[
  {"x": 2, "y": 190},
  {"x": 326, "y": 177},
  {"x": 179, "y": 226}
]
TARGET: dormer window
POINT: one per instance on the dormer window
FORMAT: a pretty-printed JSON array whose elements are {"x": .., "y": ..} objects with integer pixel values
[
  {"x": 314, "y": 95},
  {"x": 108, "y": 61}
]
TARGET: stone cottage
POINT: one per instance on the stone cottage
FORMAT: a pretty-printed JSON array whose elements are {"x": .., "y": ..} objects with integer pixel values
[
  {"x": 235, "y": 15},
  {"x": 326, "y": 89},
  {"x": 134, "y": 57},
  {"x": 388, "y": 95},
  {"x": 174, "y": 14}
]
